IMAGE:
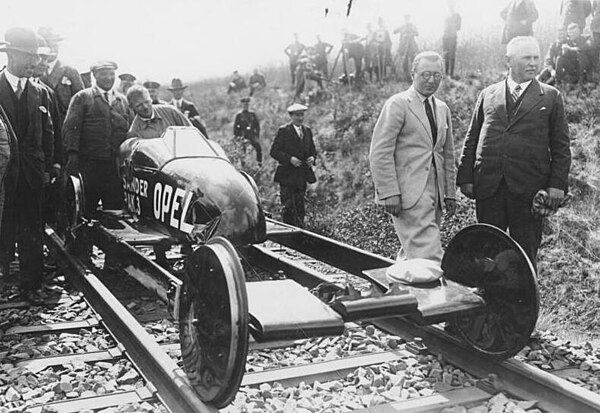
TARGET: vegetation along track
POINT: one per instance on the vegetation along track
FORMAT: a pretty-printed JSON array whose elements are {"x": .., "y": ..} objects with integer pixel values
[{"x": 378, "y": 367}]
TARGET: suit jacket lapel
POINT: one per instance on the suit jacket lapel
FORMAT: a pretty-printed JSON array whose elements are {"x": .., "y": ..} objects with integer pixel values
[
  {"x": 56, "y": 75},
  {"x": 5, "y": 98},
  {"x": 416, "y": 106},
  {"x": 532, "y": 96}
]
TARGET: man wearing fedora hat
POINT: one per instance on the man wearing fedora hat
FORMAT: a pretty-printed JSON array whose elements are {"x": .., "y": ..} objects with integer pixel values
[
  {"x": 294, "y": 149},
  {"x": 96, "y": 124},
  {"x": 153, "y": 87},
  {"x": 27, "y": 109},
  {"x": 246, "y": 126},
  {"x": 62, "y": 78},
  {"x": 185, "y": 106}
]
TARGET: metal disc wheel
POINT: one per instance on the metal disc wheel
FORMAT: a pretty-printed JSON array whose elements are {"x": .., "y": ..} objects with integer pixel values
[
  {"x": 486, "y": 258},
  {"x": 72, "y": 206},
  {"x": 213, "y": 319}
]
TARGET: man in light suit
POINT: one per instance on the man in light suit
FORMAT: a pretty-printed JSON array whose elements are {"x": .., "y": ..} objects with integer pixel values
[
  {"x": 412, "y": 160},
  {"x": 294, "y": 149},
  {"x": 516, "y": 145}
]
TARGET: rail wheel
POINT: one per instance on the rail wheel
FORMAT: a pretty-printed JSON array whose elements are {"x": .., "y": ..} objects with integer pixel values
[
  {"x": 486, "y": 258},
  {"x": 213, "y": 320}
]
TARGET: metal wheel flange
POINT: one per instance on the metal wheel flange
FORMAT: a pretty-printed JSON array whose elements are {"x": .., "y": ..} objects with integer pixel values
[
  {"x": 484, "y": 257},
  {"x": 213, "y": 319}
]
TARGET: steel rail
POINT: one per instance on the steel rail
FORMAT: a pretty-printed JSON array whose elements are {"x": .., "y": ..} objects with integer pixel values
[
  {"x": 519, "y": 379},
  {"x": 163, "y": 373}
]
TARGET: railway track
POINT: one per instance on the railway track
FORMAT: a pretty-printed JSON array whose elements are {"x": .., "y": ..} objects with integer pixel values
[{"x": 160, "y": 382}]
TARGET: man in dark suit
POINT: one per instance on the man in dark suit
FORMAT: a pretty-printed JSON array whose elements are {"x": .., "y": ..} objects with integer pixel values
[
  {"x": 294, "y": 149},
  {"x": 185, "y": 106},
  {"x": 517, "y": 144},
  {"x": 246, "y": 126},
  {"x": 63, "y": 79},
  {"x": 26, "y": 106}
]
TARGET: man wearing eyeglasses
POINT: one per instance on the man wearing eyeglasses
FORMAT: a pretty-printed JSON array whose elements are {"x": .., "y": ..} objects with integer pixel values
[{"x": 412, "y": 160}]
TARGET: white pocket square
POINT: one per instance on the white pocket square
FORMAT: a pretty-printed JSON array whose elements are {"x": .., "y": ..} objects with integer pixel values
[{"x": 543, "y": 108}]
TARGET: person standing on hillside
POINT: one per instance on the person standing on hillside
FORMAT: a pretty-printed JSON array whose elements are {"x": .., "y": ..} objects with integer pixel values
[
  {"x": 452, "y": 25},
  {"x": 412, "y": 160},
  {"x": 257, "y": 82},
  {"x": 294, "y": 149},
  {"x": 575, "y": 11},
  {"x": 293, "y": 52},
  {"x": 246, "y": 126},
  {"x": 96, "y": 124},
  {"x": 26, "y": 106},
  {"x": 518, "y": 16},
  {"x": 322, "y": 50},
  {"x": 407, "y": 47},
  {"x": 188, "y": 108},
  {"x": 574, "y": 65},
  {"x": 517, "y": 148}
]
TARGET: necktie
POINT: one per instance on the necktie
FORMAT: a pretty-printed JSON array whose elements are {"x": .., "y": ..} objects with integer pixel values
[
  {"x": 516, "y": 93},
  {"x": 300, "y": 133},
  {"x": 106, "y": 97},
  {"x": 432, "y": 123},
  {"x": 19, "y": 90}
]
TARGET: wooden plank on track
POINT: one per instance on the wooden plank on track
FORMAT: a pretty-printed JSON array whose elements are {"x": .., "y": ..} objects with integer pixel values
[
  {"x": 54, "y": 327},
  {"x": 98, "y": 402},
  {"x": 64, "y": 298},
  {"x": 39, "y": 364},
  {"x": 322, "y": 371},
  {"x": 467, "y": 396}
]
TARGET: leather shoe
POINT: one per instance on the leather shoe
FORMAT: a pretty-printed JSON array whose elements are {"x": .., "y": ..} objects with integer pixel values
[{"x": 33, "y": 296}]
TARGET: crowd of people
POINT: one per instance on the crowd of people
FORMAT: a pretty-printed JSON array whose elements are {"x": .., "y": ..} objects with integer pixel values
[{"x": 55, "y": 122}]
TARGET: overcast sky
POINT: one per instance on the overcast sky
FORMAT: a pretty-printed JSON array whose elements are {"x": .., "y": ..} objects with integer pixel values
[{"x": 195, "y": 39}]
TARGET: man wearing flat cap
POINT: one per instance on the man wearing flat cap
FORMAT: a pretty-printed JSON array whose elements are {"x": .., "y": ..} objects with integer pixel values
[
  {"x": 294, "y": 149},
  {"x": 62, "y": 78},
  {"x": 185, "y": 106},
  {"x": 127, "y": 80},
  {"x": 26, "y": 106},
  {"x": 96, "y": 124},
  {"x": 153, "y": 87},
  {"x": 246, "y": 126}
]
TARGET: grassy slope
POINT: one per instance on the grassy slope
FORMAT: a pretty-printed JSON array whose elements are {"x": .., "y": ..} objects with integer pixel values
[{"x": 341, "y": 203}]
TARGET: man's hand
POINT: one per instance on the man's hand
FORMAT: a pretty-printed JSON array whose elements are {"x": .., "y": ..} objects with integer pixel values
[
  {"x": 72, "y": 167},
  {"x": 450, "y": 205},
  {"x": 467, "y": 190},
  {"x": 393, "y": 205},
  {"x": 295, "y": 162},
  {"x": 310, "y": 161},
  {"x": 555, "y": 197}
]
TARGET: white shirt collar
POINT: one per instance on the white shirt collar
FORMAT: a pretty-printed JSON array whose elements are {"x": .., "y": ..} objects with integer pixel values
[
  {"x": 51, "y": 65},
  {"x": 423, "y": 98},
  {"x": 512, "y": 85},
  {"x": 13, "y": 80}
]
